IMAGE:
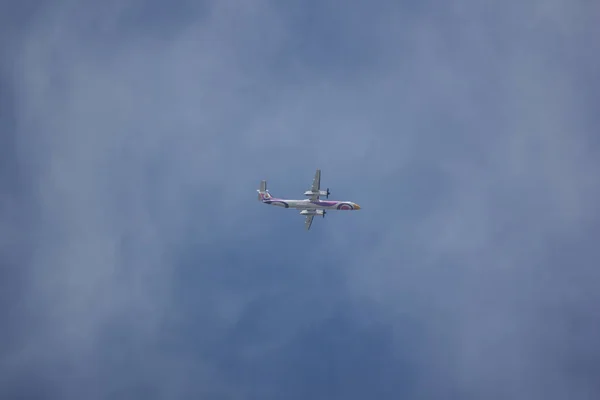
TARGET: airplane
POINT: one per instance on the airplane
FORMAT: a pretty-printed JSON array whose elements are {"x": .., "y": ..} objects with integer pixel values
[{"x": 312, "y": 205}]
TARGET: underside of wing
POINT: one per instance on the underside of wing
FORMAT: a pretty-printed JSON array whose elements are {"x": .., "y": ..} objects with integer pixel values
[
  {"x": 308, "y": 221},
  {"x": 316, "y": 185}
]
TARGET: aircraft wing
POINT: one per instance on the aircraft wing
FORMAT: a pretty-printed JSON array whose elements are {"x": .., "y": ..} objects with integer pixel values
[
  {"x": 316, "y": 185},
  {"x": 308, "y": 221}
]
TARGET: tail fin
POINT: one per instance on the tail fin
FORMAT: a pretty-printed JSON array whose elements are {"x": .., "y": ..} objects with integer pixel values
[{"x": 263, "y": 192}]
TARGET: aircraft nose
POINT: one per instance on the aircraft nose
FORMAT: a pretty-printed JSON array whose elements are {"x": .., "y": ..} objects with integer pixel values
[{"x": 356, "y": 206}]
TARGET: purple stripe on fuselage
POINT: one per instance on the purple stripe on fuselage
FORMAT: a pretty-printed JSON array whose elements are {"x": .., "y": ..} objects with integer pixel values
[
  {"x": 324, "y": 203},
  {"x": 274, "y": 200}
]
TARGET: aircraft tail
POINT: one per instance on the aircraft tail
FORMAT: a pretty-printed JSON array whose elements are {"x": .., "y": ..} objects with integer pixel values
[{"x": 263, "y": 192}]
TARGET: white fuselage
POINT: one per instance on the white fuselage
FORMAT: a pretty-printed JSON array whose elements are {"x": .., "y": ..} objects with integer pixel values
[{"x": 307, "y": 204}]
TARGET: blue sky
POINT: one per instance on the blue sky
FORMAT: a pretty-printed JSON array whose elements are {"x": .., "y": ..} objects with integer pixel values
[{"x": 137, "y": 263}]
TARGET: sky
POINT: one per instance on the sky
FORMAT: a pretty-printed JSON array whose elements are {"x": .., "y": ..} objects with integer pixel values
[{"x": 136, "y": 262}]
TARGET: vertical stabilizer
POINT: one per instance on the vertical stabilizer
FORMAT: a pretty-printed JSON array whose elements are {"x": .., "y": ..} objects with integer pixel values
[{"x": 263, "y": 192}]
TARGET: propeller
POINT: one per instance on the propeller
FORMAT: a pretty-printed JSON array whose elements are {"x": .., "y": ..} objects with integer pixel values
[
  {"x": 328, "y": 193},
  {"x": 324, "y": 212}
]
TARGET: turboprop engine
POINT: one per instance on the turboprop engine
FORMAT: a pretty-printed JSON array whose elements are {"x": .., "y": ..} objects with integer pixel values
[
  {"x": 313, "y": 212},
  {"x": 325, "y": 193}
]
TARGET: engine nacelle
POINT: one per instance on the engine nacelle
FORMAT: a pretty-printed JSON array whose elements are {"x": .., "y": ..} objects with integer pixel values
[
  {"x": 310, "y": 193},
  {"x": 313, "y": 212}
]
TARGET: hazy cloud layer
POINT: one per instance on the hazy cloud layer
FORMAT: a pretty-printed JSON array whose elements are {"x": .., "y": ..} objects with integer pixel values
[{"x": 136, "y": 262}]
